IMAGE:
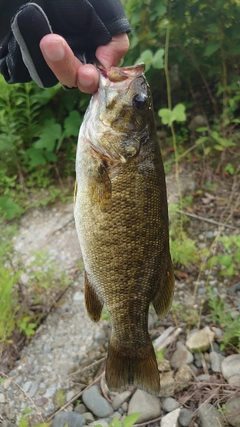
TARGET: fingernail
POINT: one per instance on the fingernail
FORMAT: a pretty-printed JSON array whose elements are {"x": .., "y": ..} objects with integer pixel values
[{"x": 54, "y": 51}]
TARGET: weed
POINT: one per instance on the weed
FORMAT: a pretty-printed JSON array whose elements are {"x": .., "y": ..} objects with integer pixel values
[
  {"x": 221, "y": 315},
  {"x": 229, "y": 260}
]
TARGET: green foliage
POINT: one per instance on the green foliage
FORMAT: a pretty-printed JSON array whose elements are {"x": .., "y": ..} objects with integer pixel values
[
  {"x": 229, "y": 260},
  {"x": 34, "y": 137},
  {"x": 183, "y": 249},
  {"x": 169, "y": 116},
  {"x": 221, "y": 315},
  {"x": 8, "y": 303}
]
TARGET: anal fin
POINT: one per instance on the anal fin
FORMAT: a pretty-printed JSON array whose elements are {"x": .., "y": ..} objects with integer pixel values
[
  {"x": 164, "y": 295},
  {"x": 92, "y": 301}
]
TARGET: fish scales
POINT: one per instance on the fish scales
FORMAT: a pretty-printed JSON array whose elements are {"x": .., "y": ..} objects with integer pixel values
[{"x": 121, "y": 218}]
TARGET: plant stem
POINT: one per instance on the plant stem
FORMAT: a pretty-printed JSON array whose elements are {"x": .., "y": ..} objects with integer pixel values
[{"x": 168, "y": 83}]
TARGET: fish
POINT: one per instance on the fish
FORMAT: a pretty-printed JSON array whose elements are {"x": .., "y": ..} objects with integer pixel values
[{"x": 121, "y": 217}]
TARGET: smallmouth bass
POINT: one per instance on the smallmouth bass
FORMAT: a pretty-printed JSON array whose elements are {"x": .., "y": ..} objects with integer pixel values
[{"x": 121, "y": 219}]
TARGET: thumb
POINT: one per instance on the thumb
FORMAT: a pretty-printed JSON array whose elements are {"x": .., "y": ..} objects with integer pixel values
[{"x": 110, "y": 54}]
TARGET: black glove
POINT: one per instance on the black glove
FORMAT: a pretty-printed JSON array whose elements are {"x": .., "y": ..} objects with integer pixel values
[{"x": 85, "y": 25}]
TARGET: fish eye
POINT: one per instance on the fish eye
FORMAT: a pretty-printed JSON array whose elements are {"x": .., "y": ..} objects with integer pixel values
[{"x": 140, "y": 101}]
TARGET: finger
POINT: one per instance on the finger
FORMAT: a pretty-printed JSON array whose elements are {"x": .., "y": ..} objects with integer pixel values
[
  {"x": 111, "y": 53},
  {"x": 67, "y": 68}
]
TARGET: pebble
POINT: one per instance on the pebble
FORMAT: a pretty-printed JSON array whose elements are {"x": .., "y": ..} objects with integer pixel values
[
  {"x": 210, "y": 416},
  {"x": 33, "y": 389},
  {"x": 71, "y": 419},
  {"x": 185, "y": 417},
  {"x": 149, "y": 406},
  {"x": 200, "y": 340},
  {"x": 171, "y": 419},
  {"x": 167, "y": 384},
  {"x": 169, "y": 404},
  {"x": 80, "y": 408},
  {"x": 120, "y": 398},
  {"x": 233, "y": 416},
  {"x": 96, "y": 403},
  {"x": 216, "y": 361},
  {"x": 2, "y": 398},
  {"x": 231, "y": 369},
  {"x": 183, "y": 377},
  {"x": 88, "y": 417},
  {"x": 181, "y": 356}
]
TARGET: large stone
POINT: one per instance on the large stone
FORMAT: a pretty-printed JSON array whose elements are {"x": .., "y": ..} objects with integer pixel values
[
  {"x": 171, "y": 419},
  {"x": 149, "y": 406},
  {"x": 231, "y": 369},
  {"x": 181, "y": 356},
  {"x": 96, "y": 403},
  {"x": 200, "y": 341},
  {"x": 71, "y": 419},
  {"x": 209, "y": 416},
  {"x": 233, "y": 411}
]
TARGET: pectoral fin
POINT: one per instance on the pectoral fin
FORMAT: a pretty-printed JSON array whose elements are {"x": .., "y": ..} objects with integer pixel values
[
  {"x": 93, "y": 303},
  {"x": 164, "y": 295}
]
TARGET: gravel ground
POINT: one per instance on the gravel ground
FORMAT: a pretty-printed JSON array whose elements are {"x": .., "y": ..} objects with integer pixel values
[{"x": 52, "y": 369}]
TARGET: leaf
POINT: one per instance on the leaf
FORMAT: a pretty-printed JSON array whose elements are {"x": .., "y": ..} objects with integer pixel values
[
  {"x": 166, "y": 116},
  {"x": 145, "y": 57},
  {"x": 9, "y": 208},
  {"x": 51, "y": 133},
  {"x": 72, "y": 124},
  {"x": 211, "y": 48},
  {"x": 157, "y": 61},
  {"x": 179, "y": 113},
  {"x": 36, "y": 157},
  {"x": 131, "y": 419}
]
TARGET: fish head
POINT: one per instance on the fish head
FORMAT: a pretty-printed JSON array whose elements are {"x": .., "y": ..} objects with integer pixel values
[{"x": 120, "y": 111}]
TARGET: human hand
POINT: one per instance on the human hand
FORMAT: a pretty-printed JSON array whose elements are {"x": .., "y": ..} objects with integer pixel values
[
  {"x": 70, "y": 71},
  {"x": 88, "y": 29}
]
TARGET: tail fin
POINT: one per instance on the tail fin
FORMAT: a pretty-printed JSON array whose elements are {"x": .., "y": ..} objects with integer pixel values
[{"x": 123, "y": 369}]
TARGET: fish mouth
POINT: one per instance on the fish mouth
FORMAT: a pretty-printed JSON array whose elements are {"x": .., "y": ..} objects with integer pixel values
[{"x": 115, "y": 74}]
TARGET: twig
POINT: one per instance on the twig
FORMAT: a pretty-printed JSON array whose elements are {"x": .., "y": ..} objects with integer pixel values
[
  {"x": 211, "y": 221},
  {"x": 167, "y": 341}
]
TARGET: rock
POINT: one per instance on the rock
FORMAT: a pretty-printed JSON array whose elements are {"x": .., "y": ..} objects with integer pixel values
[
  {"x": 171, "y": 419},
  {"x": 71, "y": 419},
  {"x": 231, "y": 369},
  {"x": 183, "y": 377},
  {"x": 2, "y": 398},
  {"x": 88, "y": 417},
  {"x": 169, "y": 404},
  {"x": 33, "y": 389},
  {"x": 119, "y": 399},
  {"x": 233, "y": 416},
  {"x": 167, "y": 384},
  {"x": 209, "y": 416},
  {"x": 197, "y": 122},
  {"x": 94, "y": 401},
  {"x": 200, "y": 341},
  {"x": 185, "y": 417},
  {"x": 80, "y": 409},
  {"x": 216, "y": 361},
  {"x": 6, "y": 424},
  {"x": 181, "y": 356},
  {"x": 164, "y": 365},
  {"x": 149, "y": 406}
]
